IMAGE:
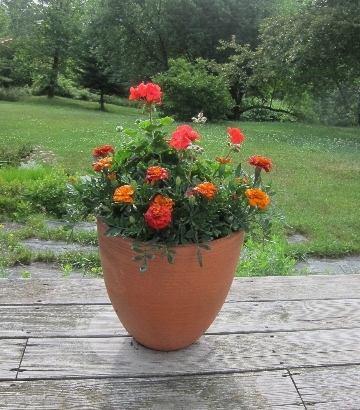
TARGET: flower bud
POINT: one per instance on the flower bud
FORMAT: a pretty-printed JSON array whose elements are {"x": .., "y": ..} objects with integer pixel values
[
  {"x": 178, "y": 181},
  {"x": 133, "y": 185},
  {"x": 192, "y": 201},
  {"x": 132, "y": 219}
]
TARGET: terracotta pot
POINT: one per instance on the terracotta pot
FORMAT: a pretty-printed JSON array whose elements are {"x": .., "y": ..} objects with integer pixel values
[{"x": 170, "y": 305}]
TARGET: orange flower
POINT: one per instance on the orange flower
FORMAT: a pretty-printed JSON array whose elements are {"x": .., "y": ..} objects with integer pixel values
[
  {"x": 236, "y": 136},
  {"x": 111, "y": 176},
  {"x": 103, "y": 151},
  {"x": 102, "y": 163},
  {"x": 261, "y": 162},
  {"x": 156, "y": 173},
  {"x": 123, "y": 194},
  {"x": 207, "y": 189},
  {"x": 242, "y": 180},
  {"x": 158, "y": 217},
  {"x": 163, "y": 201},
  {"x": 223, "y": 160},
  {"x": 257, "y": 198}
]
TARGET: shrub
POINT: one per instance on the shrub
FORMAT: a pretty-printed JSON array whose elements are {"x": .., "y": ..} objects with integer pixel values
[
  {"x": 49, "y": 194},
  {"x": 190, "y": 88},
  {"x": 27, "y": 191},
  {"x": 14, "y": 93},
  {"x": 13, "y": 154}
]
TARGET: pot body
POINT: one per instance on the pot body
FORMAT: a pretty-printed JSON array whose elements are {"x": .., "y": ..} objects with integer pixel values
[{"x": 169, "y": 306}]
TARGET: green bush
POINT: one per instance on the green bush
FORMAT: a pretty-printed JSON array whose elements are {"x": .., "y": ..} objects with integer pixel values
[
  {"x": 21, "y": 196},
  {"x": 14, "y": 93},
  {"x": 49, "y": 194},
  {"x": 190, "y": 88},
  {"x": 13, "y": 154}
]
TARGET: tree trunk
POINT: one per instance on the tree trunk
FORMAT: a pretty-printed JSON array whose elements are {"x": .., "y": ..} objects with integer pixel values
[
  {"x": 53, "y": 75},
  {"x": 102, "y": 100}
]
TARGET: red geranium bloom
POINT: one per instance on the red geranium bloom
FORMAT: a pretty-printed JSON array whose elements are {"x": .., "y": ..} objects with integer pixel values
[
  {"x": 158, "y": 216},
  {"x": 149, "y": 92},
  {"x": 155, "y": 173},
  {"x": 183, "y": 136},
  {"x": 236, "y": 136},
  {"x": 103, "y": 151},
  {"x": 261, "y": 162}
]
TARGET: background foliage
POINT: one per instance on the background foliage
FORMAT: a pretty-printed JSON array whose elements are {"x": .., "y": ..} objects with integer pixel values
[{"x": 282, "y": 59}]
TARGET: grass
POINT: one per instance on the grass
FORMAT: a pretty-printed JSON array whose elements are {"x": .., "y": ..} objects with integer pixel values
[{"x": 316, "y": 168}]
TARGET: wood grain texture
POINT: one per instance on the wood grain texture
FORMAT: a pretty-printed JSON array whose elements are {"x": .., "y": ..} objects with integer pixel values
[
  {"x": 11, "y": 352},
  {"x": 250, "y": 391},
  {"x": 331, "y": 388},
  {"x": 241, "y": 317},
  {"x": 78, "y": 291},
  {"x": 123, "y": 357}
]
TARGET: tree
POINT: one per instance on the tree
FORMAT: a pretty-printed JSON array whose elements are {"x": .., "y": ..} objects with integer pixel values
[
  {"x": 146, "y": 34},
  {"x": 316, "y": 47}
]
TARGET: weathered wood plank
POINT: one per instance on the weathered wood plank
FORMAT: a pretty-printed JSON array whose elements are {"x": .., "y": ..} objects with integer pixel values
[
  {"x": 250, "y": 391},
  {"x": 101, "y": 320},
  {"x": 11, "y": 352},
  {"x": 35, "y": 291},
  {"x": 122, "y": 357},
  {"x": 331, "y": 388},
  {"x": 52, "y": 291}
]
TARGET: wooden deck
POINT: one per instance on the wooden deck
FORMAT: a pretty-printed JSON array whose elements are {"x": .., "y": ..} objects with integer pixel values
[{"x": 278, "y": 343}]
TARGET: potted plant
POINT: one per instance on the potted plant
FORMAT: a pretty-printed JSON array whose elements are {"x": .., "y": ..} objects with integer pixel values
[{"x": 171, "y": 224}]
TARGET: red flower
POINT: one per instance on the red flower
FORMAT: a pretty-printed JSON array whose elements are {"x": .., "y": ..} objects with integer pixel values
[
  {"x": 155, "y": 173},
  {"x": 149, "y": 92},
  {"x": 236, "y": 136},
  {"x": 183, "y": 136},
  {"x": 158, "y": 216},
  {"x": 103, "y": 151},
  {"x": 261, "y": 162}
]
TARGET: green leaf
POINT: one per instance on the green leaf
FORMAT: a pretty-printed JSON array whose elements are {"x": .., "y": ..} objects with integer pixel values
[
  {"x": 143, "y": 267},
  {"x": 165, "y": 120},
  {"x": 137, "y": 258},
  {"x": 199, "y": 257},
  {"x": 170, "y": 258}
]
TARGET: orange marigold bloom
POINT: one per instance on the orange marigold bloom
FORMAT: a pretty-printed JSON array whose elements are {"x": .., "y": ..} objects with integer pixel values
[
  {"x": 223, "y": 160},
  {"x": 261, "y": 162},
  {"x": 103, "y": 151},
  {"x": 242, "y": 180},
  {"x": 123, "y": 194},
  {"x": 207, "y": 189},
  {"x": 102, "y": 163},
  {"x": 163, "y": 201},
  {"x": 156, "y": 173},
  {"x": 158, "y": 217},
  {"x": 257, "y": 197},
  {"x": 112, "y": 175}
]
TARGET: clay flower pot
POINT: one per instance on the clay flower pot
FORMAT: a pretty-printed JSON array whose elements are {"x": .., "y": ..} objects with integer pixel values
[{"x": 170, "y": 305}]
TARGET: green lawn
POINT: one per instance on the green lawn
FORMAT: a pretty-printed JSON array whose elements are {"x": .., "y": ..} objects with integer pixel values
[{"x": 316, "y": 168}]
